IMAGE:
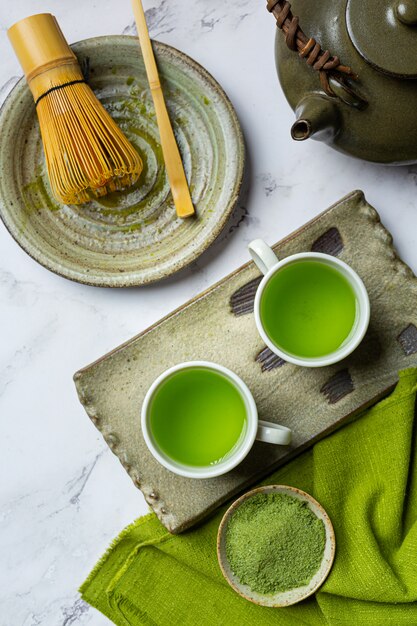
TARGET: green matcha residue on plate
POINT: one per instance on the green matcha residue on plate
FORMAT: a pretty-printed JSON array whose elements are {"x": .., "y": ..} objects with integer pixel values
[
  {"x": 107, "y": 241},
  {"x": 274, "y": 543}
]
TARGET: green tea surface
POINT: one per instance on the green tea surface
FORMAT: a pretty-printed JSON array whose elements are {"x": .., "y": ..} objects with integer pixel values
[
  {"x": 197, "y": 416},
  {"x": 308, "y": 309}
]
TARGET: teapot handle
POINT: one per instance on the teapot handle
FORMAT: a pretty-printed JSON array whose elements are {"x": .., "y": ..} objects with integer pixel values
[{"x": 332, "y": 73}]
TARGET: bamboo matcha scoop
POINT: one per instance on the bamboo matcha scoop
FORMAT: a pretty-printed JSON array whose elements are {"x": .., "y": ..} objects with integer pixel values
[{"x": 172, "y": 158}]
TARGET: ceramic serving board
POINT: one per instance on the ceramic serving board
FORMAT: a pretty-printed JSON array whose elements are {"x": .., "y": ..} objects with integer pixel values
[
  {"x": 132, "y": 237},
  {"x": 218, "y": 325}
]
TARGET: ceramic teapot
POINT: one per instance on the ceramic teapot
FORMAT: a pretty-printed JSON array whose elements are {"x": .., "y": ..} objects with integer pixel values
[{"x": 348, "y": 68}]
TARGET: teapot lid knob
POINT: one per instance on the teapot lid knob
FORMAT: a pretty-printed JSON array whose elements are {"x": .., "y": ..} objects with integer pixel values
[
  {"x": 383, "y": 33},
  {"x": 406, "y": 12}
]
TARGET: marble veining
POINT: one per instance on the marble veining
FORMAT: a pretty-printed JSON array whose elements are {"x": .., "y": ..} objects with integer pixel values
[{"x": 64, "y": 496}]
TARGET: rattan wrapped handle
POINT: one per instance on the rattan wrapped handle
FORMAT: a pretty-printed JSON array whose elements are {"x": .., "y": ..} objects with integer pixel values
[{"x": 308, "y": 48}]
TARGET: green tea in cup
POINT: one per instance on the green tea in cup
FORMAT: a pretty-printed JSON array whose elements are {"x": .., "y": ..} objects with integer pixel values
[
  {"x": 199, "y": 420},
  {"x": 311, "y": 308},
  {"x": 197, "y": 416},
  {"x": 308, "y": 308}
]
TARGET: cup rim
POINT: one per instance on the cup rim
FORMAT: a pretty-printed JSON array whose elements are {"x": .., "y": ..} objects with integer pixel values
[
  {"x": 362, "y": 324},
  {"x": 193, "y": 471}
]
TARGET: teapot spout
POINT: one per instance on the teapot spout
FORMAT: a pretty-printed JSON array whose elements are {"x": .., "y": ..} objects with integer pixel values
[{"x": 317, "y": 116}]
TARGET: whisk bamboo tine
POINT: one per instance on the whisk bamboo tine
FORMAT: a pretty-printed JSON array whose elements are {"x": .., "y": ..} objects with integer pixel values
[{"x": 173, "y": 163}]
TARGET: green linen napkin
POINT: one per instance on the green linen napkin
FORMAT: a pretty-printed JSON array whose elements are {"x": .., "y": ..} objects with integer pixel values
[{"x": 365, "y": 476}]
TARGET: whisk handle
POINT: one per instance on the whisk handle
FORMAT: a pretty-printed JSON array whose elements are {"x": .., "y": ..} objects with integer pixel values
[{"x": 39, "y": 44}]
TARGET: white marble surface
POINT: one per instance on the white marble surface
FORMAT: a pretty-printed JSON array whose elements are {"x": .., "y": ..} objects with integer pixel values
[{"x": 63, "y": 495}]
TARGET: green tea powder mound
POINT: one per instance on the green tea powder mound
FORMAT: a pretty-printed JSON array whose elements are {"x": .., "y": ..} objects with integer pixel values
[{"x": 274, "y": 543}]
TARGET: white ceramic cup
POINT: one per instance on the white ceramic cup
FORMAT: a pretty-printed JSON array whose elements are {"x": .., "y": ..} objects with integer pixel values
[
  {"x": 255, "y": 429},
  {"x": 268, "y": 263}
]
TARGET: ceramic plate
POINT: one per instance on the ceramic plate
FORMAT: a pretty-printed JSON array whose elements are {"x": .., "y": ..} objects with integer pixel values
[
  {"x": 285, "y": 598},
  {"x": 133, "y": 237},
  {"x": 218, "y": 326}
]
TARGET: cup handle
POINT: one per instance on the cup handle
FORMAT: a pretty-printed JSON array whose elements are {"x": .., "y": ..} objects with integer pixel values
[
  {"x": 273, "y": 433},
  {"x": 264, "y": 257}
]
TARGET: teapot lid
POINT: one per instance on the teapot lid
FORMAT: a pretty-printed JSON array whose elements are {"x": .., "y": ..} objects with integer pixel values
[{"x": 384, "y": 32}]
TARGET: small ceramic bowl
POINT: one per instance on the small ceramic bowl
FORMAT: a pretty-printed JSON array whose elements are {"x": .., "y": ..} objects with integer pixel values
[{"x": 293, "y": 596}]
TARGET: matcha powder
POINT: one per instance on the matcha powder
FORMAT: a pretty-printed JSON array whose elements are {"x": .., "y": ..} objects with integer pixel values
[{"x": 274, "y": 543}]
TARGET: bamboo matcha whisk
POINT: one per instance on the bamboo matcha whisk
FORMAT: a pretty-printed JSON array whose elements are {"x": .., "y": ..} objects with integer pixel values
[{"x": 86, "y": 153}]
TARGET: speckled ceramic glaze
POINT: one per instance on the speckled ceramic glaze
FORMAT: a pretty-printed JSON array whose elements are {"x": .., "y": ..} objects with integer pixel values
[
  {"x": 310, "y": 401},
  {"x": 292, "y": 596},
  {"x": 132, "y": 237}
]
